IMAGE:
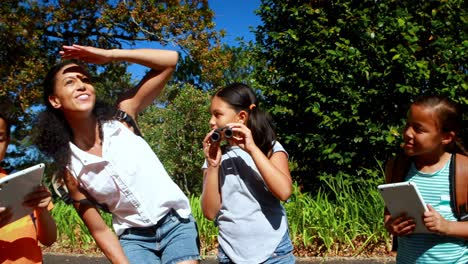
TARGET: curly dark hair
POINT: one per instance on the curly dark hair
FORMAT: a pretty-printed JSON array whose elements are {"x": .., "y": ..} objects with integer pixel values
[{"x": 54, "y": 133}]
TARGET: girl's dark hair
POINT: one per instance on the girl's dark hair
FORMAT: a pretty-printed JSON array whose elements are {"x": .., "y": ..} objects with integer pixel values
[
  {"x": 449, "y": 118},
  {"x": 241, "y": 97},
  {"x": 54, "y": 133},
  {"x": 7, "y": 122}
]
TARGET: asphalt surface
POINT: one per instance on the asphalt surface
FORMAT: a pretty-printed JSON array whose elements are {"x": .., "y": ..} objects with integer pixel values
[{"x": 50, "y": 258}]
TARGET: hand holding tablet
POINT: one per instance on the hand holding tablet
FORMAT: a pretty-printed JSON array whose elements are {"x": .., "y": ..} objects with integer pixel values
[
  {"x": 404, "y": 197},
  {"x": 15, "y": 187}
]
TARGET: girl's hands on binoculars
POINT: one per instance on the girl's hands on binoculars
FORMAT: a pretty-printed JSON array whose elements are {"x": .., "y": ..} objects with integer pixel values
[
  {"x": 242, "y": 136},
  {"x": 212, "y": 150}
]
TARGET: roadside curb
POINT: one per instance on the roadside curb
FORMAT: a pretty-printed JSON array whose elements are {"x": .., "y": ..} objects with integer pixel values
[{"x": 55, "y": 258}]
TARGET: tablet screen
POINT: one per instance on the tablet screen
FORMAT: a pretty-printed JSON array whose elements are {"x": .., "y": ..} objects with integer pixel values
[
  {"x": 15, "y": 187},
  {"x": 404, "y": 197}
]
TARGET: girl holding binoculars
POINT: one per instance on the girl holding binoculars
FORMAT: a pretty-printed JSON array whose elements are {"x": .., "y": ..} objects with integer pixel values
[{"x": 245, "y": 181}]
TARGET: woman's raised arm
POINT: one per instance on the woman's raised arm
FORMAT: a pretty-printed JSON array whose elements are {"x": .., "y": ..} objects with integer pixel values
[{"x": 161, "y": 62}]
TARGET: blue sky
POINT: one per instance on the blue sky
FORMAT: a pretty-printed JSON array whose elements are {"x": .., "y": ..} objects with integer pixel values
[{"x": 235, "y": 16}]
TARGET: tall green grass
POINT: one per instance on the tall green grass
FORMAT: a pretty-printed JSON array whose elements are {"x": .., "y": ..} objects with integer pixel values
[
  {"x": 207, "y": 230},
  {"x": 342, "y": 215},
  {"x": 72, "y": 231}
]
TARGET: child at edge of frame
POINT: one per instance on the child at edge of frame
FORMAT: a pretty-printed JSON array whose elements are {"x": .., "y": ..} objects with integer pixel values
[
  {"x": 431, "y": 137},
  {"x": 19, "y": 239}
]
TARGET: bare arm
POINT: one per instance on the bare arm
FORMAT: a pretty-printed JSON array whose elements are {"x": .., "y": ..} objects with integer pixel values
[
  {"x": 274, "y": 169},
  {"x": 211, "y": 196},
  {"x": 438, "y": 224},
  {"x": 275, "y": 172},
  {"x": 46, "y": 227},
  {"x": 40, "y": 199},
  {"x": 161, "y": 62},
  {"x": 104, "y": 237},
  {"x": 456, "y": 229}
]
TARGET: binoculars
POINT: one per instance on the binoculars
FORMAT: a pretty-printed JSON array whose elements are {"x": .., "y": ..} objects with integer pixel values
[{"x": 218, "y": 133}]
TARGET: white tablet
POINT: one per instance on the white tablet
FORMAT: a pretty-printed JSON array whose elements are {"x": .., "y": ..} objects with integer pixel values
[
  {"x": 15, "y": 187},
  {"x": 404, "y": 197}
]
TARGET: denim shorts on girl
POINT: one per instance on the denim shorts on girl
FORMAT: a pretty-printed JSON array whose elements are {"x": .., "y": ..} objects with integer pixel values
[
  {"x": 283, "y": 253},
  {"x": 172, "y": 240}
]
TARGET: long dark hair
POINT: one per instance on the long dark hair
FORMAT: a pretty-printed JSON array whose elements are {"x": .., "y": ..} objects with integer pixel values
[
  {"x": 54, "y": 133},
  {"x": 241, "y": 97},
  {"x": 449, "y": 118}
]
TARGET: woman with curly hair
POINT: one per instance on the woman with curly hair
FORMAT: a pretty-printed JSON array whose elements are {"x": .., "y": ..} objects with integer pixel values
[{"x": 106, "y": 164}]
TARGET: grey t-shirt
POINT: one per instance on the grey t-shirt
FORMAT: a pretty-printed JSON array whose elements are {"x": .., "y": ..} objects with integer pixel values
[{"x": 251, "y": 220}]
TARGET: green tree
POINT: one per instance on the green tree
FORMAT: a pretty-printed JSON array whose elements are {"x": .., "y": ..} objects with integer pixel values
[
  {"x": 339, "y": 75},
  {"x": 175, "y": 129},
  {"x": 238, "y": 66},
  {"x": 242, "y": 65}
]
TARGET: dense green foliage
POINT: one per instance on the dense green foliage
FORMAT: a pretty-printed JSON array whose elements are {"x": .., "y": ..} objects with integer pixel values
[
  {"x": 175, "y": 130},
  {"x": 339, "y": 75},
  {"x": 319, "y": 225},
  {"x": 337, "y": 218}
]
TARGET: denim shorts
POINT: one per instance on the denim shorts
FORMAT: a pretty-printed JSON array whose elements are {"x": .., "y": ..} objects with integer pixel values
[
  {"x": 172, "y": 240},
  {"x": 282, "y": 255}
]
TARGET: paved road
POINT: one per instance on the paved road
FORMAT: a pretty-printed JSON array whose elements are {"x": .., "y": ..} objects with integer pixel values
[{"x": 50, "y": 258}]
